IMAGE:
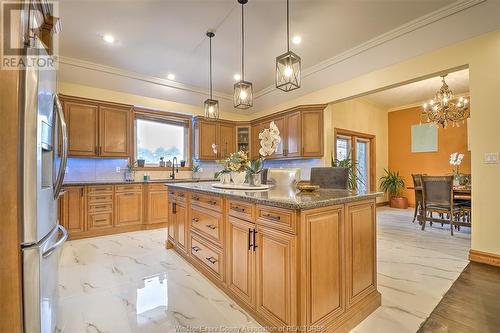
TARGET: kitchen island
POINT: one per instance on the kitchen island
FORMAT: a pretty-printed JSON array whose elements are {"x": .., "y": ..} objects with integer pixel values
[{"x": 301, "y": 260}]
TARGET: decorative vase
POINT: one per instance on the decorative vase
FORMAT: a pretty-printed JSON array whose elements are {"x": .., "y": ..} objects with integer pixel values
[
  {"x": 254, "y": 179},
  {"x": 225, "y": 178},
  {"x": 196, "y": 175},
  {"x": 456, "y": 179},
  {"x": 238, "y": 178},
  {"x": 140, "y": 163},
  {"x": 129, "y": 176}
]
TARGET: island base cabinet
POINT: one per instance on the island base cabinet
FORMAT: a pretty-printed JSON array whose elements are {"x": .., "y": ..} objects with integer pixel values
[
  {"x": 177, "y": 228},
  {"x": 240, "y": 277},
  {"x": 276, "y": 276}
]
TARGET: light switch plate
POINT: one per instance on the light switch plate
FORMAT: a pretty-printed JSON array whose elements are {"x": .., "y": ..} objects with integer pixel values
[
  {"x": 118, "y": 169},
  {"x": 491, "y": 158}
]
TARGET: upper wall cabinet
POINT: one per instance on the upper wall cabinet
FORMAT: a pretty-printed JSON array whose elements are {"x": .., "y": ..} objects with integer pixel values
[
  {"x": 97, "y": 129},
  {"x": 301, "y": 131},
  {"x": 208, "y": 132}
]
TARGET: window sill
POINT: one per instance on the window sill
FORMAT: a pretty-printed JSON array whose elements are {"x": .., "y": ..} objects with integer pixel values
[{"x": 157, "y": 168}]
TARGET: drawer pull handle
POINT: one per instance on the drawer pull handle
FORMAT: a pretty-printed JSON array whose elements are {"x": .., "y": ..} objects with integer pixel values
[
  {"x": 212, "y": 260},
  {"x": 239, "y": 209},
  {"x": 212, "y": 202},
  {"x": 211, "y": 226},
  {"x": 272, "y": 217},
  {"x": 99, "y": 207},
  {"x": 196, "y": 248},
  {"x": 101, "y": 220},
  {"x": 100, "y": 198},
  {"x": 195, "y": 220},
  {"x": 181, "y": 195},
  {"x": 196, "y": 198}
]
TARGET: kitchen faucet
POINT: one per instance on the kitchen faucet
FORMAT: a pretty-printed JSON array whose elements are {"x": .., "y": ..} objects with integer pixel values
[{"x": 174, "y": 170}]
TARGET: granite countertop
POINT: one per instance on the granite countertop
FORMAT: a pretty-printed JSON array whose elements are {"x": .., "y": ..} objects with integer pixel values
[
  {"x": 283, "y": 197},
  {"x": 151, "y": 181}
]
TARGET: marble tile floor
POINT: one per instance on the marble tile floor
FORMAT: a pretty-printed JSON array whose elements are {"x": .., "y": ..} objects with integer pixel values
[{"x": 130, "y": 283}]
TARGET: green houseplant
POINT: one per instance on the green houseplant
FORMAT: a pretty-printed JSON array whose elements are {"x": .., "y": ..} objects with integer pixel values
[
  {"x": 349, "y": 163},
  {"x": 393, "y": 184}
]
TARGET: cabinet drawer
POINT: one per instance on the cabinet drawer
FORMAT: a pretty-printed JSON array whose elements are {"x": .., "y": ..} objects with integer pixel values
[
  {"x": 100, "y": 189},
  {"x": 242, "y": 210},
  {"x": 100, "y": 221},
  {"x": 128, "y": 188},
  {"x": 207, "y": 223},
  {"x": 208, "y": 256},
  {"x": 100, "y": 198},
  {"x": 277, "y": 218},
  {"x": 206, "y": 201},
  {"x": 100, "y": 207},
  {"x": 157, "y": 187}
]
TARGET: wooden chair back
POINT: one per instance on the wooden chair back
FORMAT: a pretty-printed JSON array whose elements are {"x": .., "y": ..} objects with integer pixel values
[
  {"x": 437, "y": 190},
  {"x": 330, "y": 177}
]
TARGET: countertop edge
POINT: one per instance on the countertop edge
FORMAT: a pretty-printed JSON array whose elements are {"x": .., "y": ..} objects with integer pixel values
[{"x": 282, "y": 204}]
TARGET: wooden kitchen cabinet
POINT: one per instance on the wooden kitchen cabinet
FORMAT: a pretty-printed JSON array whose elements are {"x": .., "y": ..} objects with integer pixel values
[
  {"x": 276, "y": 275},
  {"x": 72, "y": 209},
  {"x": 240, "y": 275},
  {"x": 301, "y": 131},
  {"x": 226, "y": 140},
  {"x": 114, "y": 131},
  {"x": 178, "y": 220},
  {"x": 81, "y": 120},
  {"x": 128, "y": 208},
  {"x": 255, "y": 130},
  {"x": 208, "y": 132},
  {"x": 156, "y": 204},
  {"x": 97, "y": 129}
]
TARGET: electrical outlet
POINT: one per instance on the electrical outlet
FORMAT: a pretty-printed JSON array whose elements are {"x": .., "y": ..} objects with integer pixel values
[
  {"x": 491, "y": 158},
  {"x": 118, "y": 169}
]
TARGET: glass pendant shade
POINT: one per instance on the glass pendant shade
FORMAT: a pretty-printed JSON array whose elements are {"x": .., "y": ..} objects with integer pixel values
[
  {"x": 288, "y": 71},
  {"x": 243, "y": 95},
  {"x": 211, "y": 109}
]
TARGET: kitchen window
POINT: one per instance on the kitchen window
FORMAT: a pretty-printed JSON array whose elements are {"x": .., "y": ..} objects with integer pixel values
[{"x": 160, "y": 134}]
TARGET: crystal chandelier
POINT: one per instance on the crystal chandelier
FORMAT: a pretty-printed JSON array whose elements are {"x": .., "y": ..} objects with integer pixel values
[
  {"x": 211, "y": 105},
  {"x": 243, "y": 91},
  {"x": 444, "y": 108},
  {"x": 288, "y": 64}
]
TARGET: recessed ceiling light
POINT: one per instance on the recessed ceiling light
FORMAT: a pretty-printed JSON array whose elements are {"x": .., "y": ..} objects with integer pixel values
[
  {"x": 171, "y": 76},
  {"x": 237, "y": 77},
  {"x": 296, "y": 39},
  {"x": 108, "y": 38}
]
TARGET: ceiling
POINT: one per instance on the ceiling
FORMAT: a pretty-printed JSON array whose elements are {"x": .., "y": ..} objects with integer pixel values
[
  {"x": 159, "y": 37},
  {"x": 420, "y": 91}
]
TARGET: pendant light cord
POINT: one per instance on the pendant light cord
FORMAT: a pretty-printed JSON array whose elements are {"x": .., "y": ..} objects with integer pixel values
[
  {"x": 210, "y": 68},
  {"x": 242, "y": 44},
  {"x": 287, "y": 26}
]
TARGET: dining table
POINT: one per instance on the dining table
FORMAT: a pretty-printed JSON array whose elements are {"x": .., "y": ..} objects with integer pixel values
[{"x": 459, "y": 191}]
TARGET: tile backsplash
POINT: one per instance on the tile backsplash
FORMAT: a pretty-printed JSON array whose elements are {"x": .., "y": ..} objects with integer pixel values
[{"x": 97, "y": 169}]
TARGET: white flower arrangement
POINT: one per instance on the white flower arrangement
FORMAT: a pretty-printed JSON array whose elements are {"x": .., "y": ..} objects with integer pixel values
[
  {"x": 456, "y": 159},
  {"x": 269, "y": 140}
]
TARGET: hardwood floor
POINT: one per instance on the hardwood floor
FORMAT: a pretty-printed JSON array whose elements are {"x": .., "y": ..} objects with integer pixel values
[{"x": 471, "y": 305}]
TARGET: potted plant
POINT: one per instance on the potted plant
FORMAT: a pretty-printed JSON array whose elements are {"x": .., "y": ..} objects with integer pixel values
[
  {"x": 455, "y": 161},
  {"x": 392, "y": 183},
  {"x": 354, "y": 172},
  {"x": 238, "y": 163}
]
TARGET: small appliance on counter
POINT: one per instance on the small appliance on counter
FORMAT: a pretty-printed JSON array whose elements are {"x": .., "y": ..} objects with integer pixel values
[{"x": 281, "y": 176}]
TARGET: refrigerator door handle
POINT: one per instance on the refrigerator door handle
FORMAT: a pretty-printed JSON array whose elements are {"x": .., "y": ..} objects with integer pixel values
[
  {"x": 59, "y": 242},
  {"x": 64, "y": 147}
]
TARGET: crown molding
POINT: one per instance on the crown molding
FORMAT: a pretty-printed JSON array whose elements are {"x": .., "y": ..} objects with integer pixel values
[
  {"x": 141, "y": 77},
  {"x": 402, "y": 30}
]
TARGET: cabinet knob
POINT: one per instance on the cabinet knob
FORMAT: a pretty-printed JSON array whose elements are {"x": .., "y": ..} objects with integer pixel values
[{"x": 195, "y": 220}]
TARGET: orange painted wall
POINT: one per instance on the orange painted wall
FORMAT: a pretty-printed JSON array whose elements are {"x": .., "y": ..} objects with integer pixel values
[{"x": 450, "y": 140}]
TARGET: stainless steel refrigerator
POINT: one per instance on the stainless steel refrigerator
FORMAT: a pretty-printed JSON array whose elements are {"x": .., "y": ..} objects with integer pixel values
[{"x": 44, "y": 166}]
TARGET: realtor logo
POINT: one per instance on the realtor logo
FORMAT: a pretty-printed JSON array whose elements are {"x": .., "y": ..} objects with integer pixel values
[{"x": 27, "y": 39}]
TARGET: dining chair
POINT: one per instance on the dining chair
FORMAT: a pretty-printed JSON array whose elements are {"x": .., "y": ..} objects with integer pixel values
[
  {"x": 330, "y": 177},
  {"x": 437, "y": 194},
  {"x": 417, "y": 184}
]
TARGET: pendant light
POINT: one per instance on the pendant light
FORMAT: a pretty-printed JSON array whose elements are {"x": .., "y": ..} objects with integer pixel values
[
  {"x": 243, "y": 91},
  {"x": 288, "y": 64},
  {"x": 211, "y": 105}
]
